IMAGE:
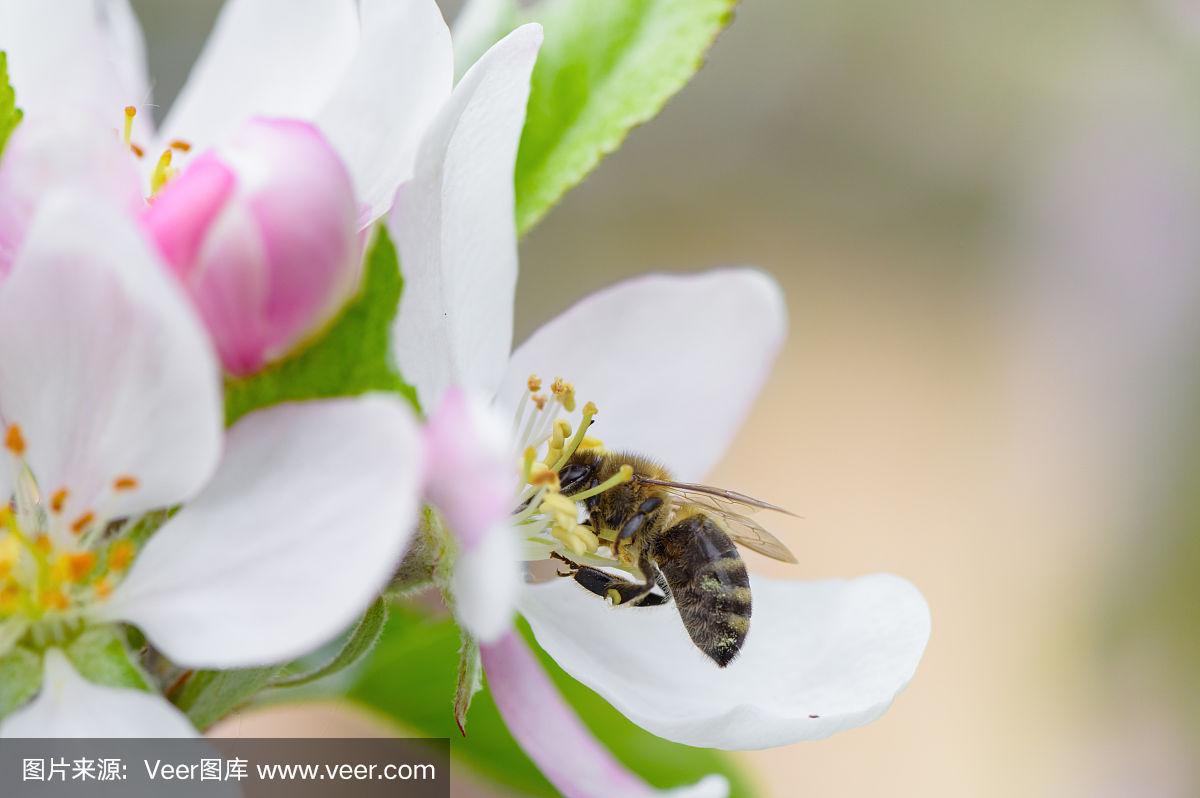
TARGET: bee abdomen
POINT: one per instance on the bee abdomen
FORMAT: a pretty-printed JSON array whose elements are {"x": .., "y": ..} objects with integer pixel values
[{"x": 709, "y": 585}]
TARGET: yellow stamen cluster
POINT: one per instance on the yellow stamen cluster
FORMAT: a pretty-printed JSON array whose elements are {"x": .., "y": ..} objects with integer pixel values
[
  {"x": 37, "y": 579},
  {"x": 543, "y": 504},
  {"x": 50, "y": 567}
]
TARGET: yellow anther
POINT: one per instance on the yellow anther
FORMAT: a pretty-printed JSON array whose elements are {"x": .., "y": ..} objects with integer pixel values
[
  {"x": 589, "y": 442},
  {"x": 42, "y": 544},
  {"x": 14, "y": 440},
  {"x": 162, "y": 172},
  {"x": 560, "y": 505},
  {"x": 539, "y": 400},
  {"x": 589, "y": 538},
  {"x": 125, "y": 482},
  {"x": 541, "y": 474},
  {"x": 534, "y": 383},
  {"x": 127, "y": 131},
  {"x": 590, "y": 410},
  {"x": 77, "y": 566},
  {"x": 10, "y": 595},
  {"x": 120, "y": 555},
  {"x": 82, "y": 522},
  {"x": 179, "y": 145},
  {"x": 576, "y": 537},
  {"x": 137, "y": 150},
  {"x": 102, "y": 588},
  {"x": 54, "y": 600},
  {"x": 58, "y": 499},
  {"x": 564, "y": 392},
  {"x": 10, "y": 554},
  {"x": 562, "y": 430}
]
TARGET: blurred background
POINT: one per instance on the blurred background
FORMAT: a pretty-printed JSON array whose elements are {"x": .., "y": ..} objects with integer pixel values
[{"x": 984, "y": 215}]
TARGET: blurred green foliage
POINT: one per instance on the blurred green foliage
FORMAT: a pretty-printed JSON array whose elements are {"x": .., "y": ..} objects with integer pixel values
[{"x": 10, "y": 114}]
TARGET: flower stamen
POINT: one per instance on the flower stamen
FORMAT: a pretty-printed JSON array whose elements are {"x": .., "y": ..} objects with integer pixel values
[
  {"x": 127, "y": 130},
  {"x": 624, "y": 474},
  {"x": 82, "y": 522},
  {"x": 14, "y": 440},
  {"x": 163, "y": 172},
  {"x": 125, "y": 482}
]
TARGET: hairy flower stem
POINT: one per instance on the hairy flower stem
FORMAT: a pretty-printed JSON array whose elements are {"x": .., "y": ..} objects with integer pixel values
[{"x": 424, "y": 561}]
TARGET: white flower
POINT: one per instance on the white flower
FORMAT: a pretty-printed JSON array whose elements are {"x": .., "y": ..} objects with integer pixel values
[
  {"x": 372, "y": 75},
  {"x": 111, "y": 407},
  {"x": 673, "y": 364}
]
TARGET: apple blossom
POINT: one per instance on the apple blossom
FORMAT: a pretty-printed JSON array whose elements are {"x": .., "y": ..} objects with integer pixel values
[
  {"x": 110, "y": 399},
  {"x": 821, "y": 656}
]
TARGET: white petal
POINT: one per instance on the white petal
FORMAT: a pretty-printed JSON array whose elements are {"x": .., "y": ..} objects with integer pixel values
[
  {"x": 51, "y": 152},
  {"x": 77, "y": 55},
  {"x": 672, "y": 362},
  {"x": 479, "y": 24},
  {"x": 302, "y": 525},
  {"x": 821, "y": 657},
  {"x": 398, "y": 80},
  {"x": 265, "y": 58},
  {"x": 487, "y": 580},
  {"x": 456, "y": 232},
  {"x": 71, "y": 706},
  {"x": 105, "y": 366},
  {"x": 552, "y": 735}
]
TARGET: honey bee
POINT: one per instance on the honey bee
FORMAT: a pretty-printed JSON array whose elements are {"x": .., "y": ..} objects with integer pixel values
[{"x": 681, "y": 537}]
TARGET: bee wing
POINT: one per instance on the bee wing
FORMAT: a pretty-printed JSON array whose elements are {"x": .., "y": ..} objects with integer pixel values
[
  {"x": 721, "y": 503},
  {"x": 718, "y": 499},
  {"x": 749, "y": 533}
]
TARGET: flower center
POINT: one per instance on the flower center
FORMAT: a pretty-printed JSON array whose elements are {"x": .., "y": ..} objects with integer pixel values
[
  {"x": 53, "y": 563},
  {"x": 163, "y": 170},
  {"x": 545, "y": 516}
]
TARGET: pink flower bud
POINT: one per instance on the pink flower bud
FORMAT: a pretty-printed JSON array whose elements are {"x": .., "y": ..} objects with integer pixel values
[{"x": 262, "y": 231}]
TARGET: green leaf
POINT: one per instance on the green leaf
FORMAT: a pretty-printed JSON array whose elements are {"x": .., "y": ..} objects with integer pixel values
[
  {"x": 101, "y": 655},
  {"x": 351, "y": 357},
  {"x": 605, "y": 67},
  {"x": 208, "y": 696},
  {"x": 20, "y": 678},
  {"x": 10, "y": 114},
  {"x": 411, "y": 678},
  {"x": 360, "y": 642}
]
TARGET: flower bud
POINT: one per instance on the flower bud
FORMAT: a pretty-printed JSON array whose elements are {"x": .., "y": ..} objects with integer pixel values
[{"x": 262, "y": 231}]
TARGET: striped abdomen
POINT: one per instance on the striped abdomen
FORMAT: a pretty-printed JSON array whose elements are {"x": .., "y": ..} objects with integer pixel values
[{"x": 708, "y": 583}]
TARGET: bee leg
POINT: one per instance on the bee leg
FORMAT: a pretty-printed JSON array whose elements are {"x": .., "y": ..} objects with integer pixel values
[
  {"x": 572, "y": 566},
  {"x": 635, "y": 521},
  {"x": 617, "y": 589}
]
